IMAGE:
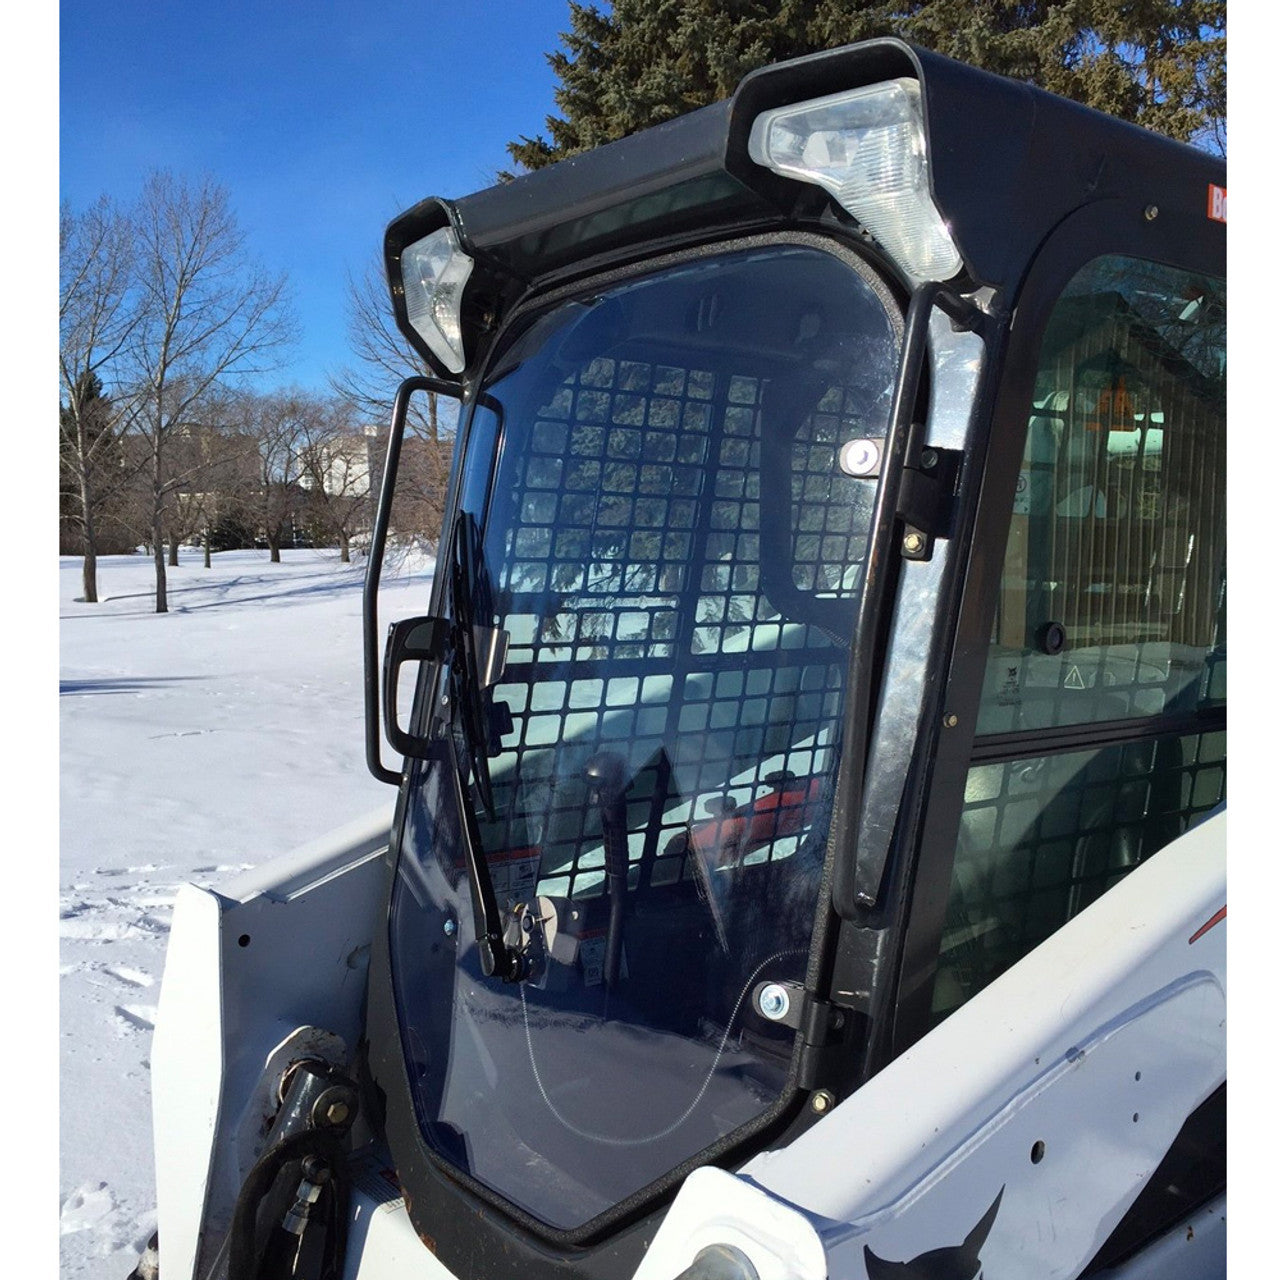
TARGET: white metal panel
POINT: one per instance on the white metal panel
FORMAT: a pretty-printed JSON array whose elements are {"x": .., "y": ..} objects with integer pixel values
[
  {"x": 283, "y": 947},
  {"x": 186, "y": 1076},
  {"x": 1195, "y": 1249},
  {"x": 1120, "y": 1014},
  {"x": 382, "y": 1244},
  {"x": 715, "y": 1207}
]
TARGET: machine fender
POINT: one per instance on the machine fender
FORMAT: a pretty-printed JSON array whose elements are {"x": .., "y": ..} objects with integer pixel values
[{"x": 1017, "y": 1133}]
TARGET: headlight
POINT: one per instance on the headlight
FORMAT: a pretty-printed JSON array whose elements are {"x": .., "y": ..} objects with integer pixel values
[
  {"x": 434, "y": 271},
  {"x": 867, "y": 148}
]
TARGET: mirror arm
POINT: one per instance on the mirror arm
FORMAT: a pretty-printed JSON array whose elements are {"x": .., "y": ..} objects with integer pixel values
[{"x": 373, "y": 572}]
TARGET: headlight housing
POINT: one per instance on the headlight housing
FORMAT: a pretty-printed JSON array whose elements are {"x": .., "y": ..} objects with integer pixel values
[
  {"x": 867, "y": 148},
  {"x": 434, "y": 272}
]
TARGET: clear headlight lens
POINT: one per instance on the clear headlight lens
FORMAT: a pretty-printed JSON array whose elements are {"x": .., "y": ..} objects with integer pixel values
[
  {"x": 867, "y": 148},
  {"x": 435, "y": 271}
]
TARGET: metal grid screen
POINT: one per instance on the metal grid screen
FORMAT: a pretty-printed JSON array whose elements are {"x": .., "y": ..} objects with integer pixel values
[
  {"x": 1118, "y": 535},
  {"x": 633, "y": 583},
  {"x": 1042, "y": 838}
]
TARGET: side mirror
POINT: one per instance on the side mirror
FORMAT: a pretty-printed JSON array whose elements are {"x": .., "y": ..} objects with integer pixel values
[{"x": 412, "y": 640}]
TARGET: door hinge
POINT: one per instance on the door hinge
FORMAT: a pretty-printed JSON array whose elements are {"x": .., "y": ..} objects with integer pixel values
[{"x": 926, "y": 500}]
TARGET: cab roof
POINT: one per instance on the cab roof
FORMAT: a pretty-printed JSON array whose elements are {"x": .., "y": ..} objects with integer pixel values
[{"x": 1008, "y": 162}]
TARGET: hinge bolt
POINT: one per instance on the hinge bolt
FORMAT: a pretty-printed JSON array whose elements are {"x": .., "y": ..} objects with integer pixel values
[
  {"x": 774, "y": 1002},
  {"x": 1151, "y": 213},
  {"x": 822, "y": 1102},
  {"x": 913, "y": 544}
]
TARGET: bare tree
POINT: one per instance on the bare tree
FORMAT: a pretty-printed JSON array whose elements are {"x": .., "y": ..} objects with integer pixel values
[
  {"x": 207, "y": 314},
  {"x": 277, "y": 425},
  {"x": 383, "y": 359},
  {"x": 97, "y": 316},
  {"x": 213, "y": 471},
  {"x": 337, "y": 465}
]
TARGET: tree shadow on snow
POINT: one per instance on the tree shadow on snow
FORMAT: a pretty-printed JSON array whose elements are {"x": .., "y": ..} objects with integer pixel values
[{"x": 122, "y": 684}]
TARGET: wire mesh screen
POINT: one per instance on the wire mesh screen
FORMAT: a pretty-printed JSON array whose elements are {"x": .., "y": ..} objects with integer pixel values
[
  {"x": 1041, "y": 838},
  {"x": 635, "y": 578},
  {"x": 1118, "y": 536}
]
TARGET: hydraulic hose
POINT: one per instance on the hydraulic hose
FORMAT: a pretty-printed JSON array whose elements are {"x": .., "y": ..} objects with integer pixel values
[
  {"x": 308, "y": 1132},
  {"x": 244, "y": 1255}
]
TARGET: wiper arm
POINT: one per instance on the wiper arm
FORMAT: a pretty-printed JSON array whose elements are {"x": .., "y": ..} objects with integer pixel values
[
  {"x": 479, "y": 655},
  {"x": 496, "y": 958}
]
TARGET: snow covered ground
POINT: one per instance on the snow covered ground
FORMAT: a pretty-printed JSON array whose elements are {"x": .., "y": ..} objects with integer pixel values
[{"x": 194, "y": 744}]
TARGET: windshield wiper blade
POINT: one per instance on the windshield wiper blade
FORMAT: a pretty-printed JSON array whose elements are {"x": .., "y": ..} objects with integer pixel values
[
  {"x": 479, "y": 650},
  {"x": 479, "y": 656}
]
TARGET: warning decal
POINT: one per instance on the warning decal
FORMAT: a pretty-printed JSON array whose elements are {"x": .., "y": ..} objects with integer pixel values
[
  {"x": 1217, "y": 203},
  {"x": 514, "y": 873}
]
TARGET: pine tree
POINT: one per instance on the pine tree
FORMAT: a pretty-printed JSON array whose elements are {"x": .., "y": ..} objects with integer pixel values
[{"x": 1160, "y": 63}]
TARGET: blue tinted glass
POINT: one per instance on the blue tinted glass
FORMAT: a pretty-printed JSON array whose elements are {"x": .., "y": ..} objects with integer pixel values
[
  {"x": 674, "y": 555},
  {"x": 1113, "y": 596}
]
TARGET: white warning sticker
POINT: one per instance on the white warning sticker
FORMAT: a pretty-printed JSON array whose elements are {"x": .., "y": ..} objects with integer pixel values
[
  {"x": 514, "y": 873},
  {"x": 591, "y": 953},
  {"x": 377, "y": 1179},
  {"x": 591, "y": 956}
]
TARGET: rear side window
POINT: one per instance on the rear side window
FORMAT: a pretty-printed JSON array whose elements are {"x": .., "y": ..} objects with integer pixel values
[
  {"x": 1101, "y": 729},
  {"x": 1113, "y": 591}
]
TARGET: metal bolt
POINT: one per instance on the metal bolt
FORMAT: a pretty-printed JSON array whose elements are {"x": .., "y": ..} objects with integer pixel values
[
  {"x": 450, "y": 928},
  {"x": 822, "y": 1102},
  {"x": 1151, "y": 213},
  {"x": 913, "y": 543},
  {"x": 774, "y": 1002},
  {"x": 860, "y": 457},
  {"x": 951, "y": 721},
  {"x": 336, "y": 1112},
  {"x": 929, "y": 459}
]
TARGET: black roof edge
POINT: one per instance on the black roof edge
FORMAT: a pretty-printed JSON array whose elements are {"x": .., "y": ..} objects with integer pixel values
[
  {"x": 690, "y": 146},
  {"x": 1008, "y": 163}
]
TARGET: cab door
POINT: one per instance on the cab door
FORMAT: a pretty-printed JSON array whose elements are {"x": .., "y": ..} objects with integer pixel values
[{"x": 1086, "y": 696}]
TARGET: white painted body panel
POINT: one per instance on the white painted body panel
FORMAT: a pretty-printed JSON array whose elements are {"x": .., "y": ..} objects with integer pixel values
[
  {"x": 225, "y": 1007},
  {"x": 1098, "y": 1044},
  {"x": 1118, "y": 1014}
]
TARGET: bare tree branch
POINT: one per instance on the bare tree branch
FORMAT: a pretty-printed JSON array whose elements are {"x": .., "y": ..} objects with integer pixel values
[{"x": 208, "y": 315}]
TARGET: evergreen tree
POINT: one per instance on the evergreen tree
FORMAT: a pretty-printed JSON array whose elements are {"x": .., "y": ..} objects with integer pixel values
[{"x": 1159, "y": 63}]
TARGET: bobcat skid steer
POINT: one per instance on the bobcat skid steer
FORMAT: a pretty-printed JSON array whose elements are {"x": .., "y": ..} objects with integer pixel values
[{"x": 808, "y": 852}]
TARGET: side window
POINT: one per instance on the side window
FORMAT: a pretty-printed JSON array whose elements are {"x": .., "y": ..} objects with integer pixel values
[{"x": 1111, "y": 610}]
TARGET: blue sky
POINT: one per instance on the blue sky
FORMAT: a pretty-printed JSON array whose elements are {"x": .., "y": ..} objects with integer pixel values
[{"x": 323, "y": 119}]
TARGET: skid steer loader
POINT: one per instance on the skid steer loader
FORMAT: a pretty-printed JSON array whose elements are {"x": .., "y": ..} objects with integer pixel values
[{"x": 808, "y": 856}]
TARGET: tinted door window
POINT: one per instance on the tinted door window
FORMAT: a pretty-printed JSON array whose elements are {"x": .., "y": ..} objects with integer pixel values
[{"x": 1111, "y": 610}]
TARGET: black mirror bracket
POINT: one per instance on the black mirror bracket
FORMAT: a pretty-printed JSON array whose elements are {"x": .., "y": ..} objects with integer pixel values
[{"x": 373, "y": 578}]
